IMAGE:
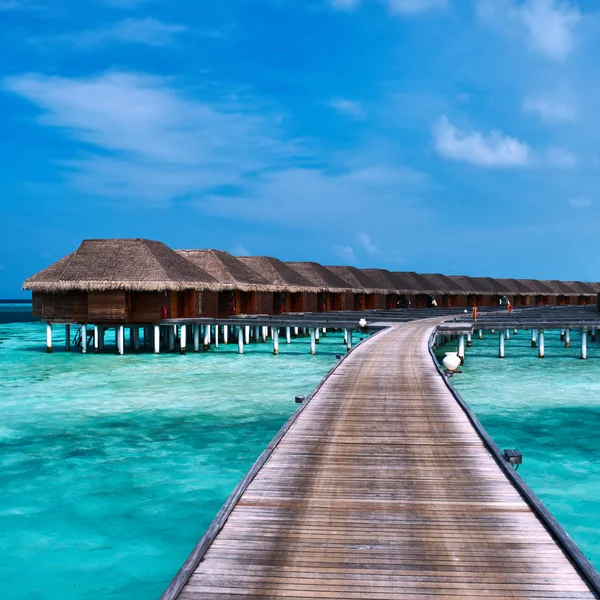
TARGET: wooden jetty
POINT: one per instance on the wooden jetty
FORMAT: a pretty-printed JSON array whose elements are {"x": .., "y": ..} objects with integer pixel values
[{"x": 383, "y": 486}]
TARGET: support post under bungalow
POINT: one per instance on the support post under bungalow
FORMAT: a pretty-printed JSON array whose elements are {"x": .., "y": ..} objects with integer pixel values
[
  {"x": 288, "y": 335},
  {"x": 183, "y": 340},
  {"x": 508, "y": 334},
  {"x": 96, "y": 338},
  {"x": 345, "y": 336},
  {"x": 240, "y": 341},
  {"x": 313, "y": 341},
  {"x": 534, "y": 336},
  {"x": 324, "y": 331},
  {"x": 317, "y": 336},
  {"x": 256, "y": 334},
  {"x": 101, "y": 330},
  {"x": 121, "y": 339},
  {"x": 216, "y": 336},
  {"x": 461, "y": 348},
  {"x": 67, "y": 337},
  {"x": 349, "y": 340},
  {"x": 275, "y": 335},
  {"x": 135, "y": 331},
  {"x": 469, "y": 340},
  {"x": 48, "y": 337},
  {"x": 226, "y": 334},
  {"x": 157, "y": 339},
  {"x": 480, "y": 335},
  {"x": 247, "y": 334},
  {"x": 583, "y": 344},
  {"x": 295, "y": 332},
  {"x": 196, "y": 338},
  {"x": 84, "y": 339},
  {"x": 541, "y": 349},
  {"x": 501, "y": 344},
  {"x": 171, "y": 334},
  {"x": 206, "y": 337},
  {"x": 593, "y": 333},
  {"x": 567, "y": 338}
]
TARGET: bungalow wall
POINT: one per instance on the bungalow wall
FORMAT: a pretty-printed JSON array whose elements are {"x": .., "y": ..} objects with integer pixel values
[
  {"x": 254, "y": 303},
  {"x": 69, "y": 307},
  {"x": 375, "y": 301}
]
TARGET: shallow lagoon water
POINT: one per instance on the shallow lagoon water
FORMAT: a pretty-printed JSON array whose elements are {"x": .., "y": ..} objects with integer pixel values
[
  {"x": 550, "y": 410},
  {"x": 112, "y": 467}
]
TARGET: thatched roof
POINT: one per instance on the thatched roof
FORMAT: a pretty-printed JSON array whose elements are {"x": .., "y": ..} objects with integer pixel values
[
  {"x": 388, "y": 281},
  {"x": 323, "y": 279},
  {"x": 538, "y": 287},
  {"x": 494, "y": 286},
  {"x": 416, "y": 282},
  {"x": 442, "y": 284},
  {"x": 584, "y": 289},
  {"x": 560, "y": 287},
  {"x": 278, "y": 274},
  {"x": 355, "y": 278},
  {"x": 230, "y": 272},
  {"x": 121, "y": 264},
  {"x": 516, "y": 287},
  {"x": 470, "y": 285}
]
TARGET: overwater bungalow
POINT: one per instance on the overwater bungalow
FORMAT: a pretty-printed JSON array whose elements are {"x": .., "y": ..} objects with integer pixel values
[
  {"x": 496, "y": 290},
  {"x": 587, "y": 293},
  {"x": 448, "y": 292},
  {"x": 519, "y": 294},
  {"x": 121, "y": 281},
  {"x": 398, "y": 292},
  {"x": 543, "y": 295},
  {"x": 295, "y": 293},
  {"x": 477, "y": 293},
  {"x": 371, "y": 298},
  {"x": 243, "y": 291},
  {"x": 333, "y": 292}
]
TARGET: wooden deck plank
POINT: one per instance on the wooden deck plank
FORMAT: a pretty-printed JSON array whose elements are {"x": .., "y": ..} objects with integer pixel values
[{"x": 381, "y": 489}]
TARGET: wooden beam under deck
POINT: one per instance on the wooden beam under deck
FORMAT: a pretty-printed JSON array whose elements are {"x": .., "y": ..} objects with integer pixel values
[{"x": 380, "y": 487}]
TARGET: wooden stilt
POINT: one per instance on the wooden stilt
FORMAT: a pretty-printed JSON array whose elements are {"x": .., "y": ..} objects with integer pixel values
[
  {"x": 583, "y": 344},
  {"x": 275, "y": 335},
  {"x": 183, "y": 340},
  {"x": 96, "y": 339},
  {"x": 461, "y": 349},
  {"x": 216, "y": 336},
  {"x": 567, "y": 338},
  {"x": 533, "y": 338},
  {"x": 247, "y": 334},
  {"x": 317, "y": 336},
  {"x": 349, "y": 340},
  {"x": 157, "y": 339},
  {"x": 171, "y": 334},
  {"x": 121, "y": 339},
  {"x": 501, "y": 335},
  {"x": 240, "y": 341},
  {"x": 84, "y": 339},
  {"x": 313, "y": 341},
  {"x": 288, "y": 335},
  {"x": 225, "y": 334},
  {"x": 541, "y": 349},
  {"x": 206, "y": 337}
]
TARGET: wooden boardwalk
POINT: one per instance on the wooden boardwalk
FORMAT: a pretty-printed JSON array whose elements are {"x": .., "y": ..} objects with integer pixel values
[{"x": 382, "y": 489}]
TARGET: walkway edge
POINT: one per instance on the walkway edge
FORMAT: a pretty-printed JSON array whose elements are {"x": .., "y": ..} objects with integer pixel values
[
  {"x": 193, "y": 560},
  {"x": 570, "y": 548}
]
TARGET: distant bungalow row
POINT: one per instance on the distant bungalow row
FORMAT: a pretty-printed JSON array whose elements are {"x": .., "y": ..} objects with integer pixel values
[{"x": 143, "y": 281}]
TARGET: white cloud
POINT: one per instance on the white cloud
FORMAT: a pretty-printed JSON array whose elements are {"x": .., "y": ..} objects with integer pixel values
[
  {"x": 549, "y": 109},
  {"x": 365, "y": 241},
  {"x": 348, "y": 108},
  {"x": 239, "y": 250},
  {"x": 550, "y": 26},
  {"x": 555, "y": 156},
  {"x": 488, "y": 150},
  {"x": 147, "y": 31},
  {"x": 395, "y": 7},
  {"x": 580, "y": 203},
  {"x": 345, "y": 253},
  {"x": 146, "y": 140}
]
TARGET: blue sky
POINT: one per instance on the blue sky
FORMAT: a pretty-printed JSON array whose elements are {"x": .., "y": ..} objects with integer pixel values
[{"x": 447, "y": 136}]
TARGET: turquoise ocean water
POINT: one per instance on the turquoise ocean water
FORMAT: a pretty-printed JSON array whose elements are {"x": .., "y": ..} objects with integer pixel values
[
  {"x": 550, "y": 410},
  {"x": 112, "y": 467}
]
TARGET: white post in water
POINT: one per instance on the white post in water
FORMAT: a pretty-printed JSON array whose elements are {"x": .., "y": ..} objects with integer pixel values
[
  {"x": 480, "y": 335},
  {"x": 121, "y": 339},
  {"x": 275, "y": 335},
  {"x": 265, "y": 333},
  {"x": 508, "y": 334},
  {"x": 313, "y": 342},
  {"x": 345, "y": 336},
  {"x": 562, "y": 334},
  {"x": 226, "y": 334},
  {"x": 206, "y": 337},
  {"x": 349, "y": 341},
  {"x": 247, "y": 334},
  {"x": 541, "y": 344},
  {"x": 157, "y": 339},
  {"x": 67, "y": 337},
  {"x": 469, "y": 340},
  {"x": 533, "y": 338},
  {"x": 461, "y": 348},
  {"x": 96, "y": 339},
  {"x": 501, "y": 344},
  {"x": 256, "y": 334},
  {"x": 295, "y": 331},
  {"x": 240, "y": 341},
  {"x": 84, "y": 339},
  {"x": 196, "y": 336},
  {"x": 515, "y": 331},
  {"x": 48, "y": 338},
  {"x": 183, "y": 340},
  {"x": 317, "y": 336},
  {"x": 567, "y": 338},
  {"x": 288, "y": 335},
  {"x": 583, "y": 344},
  {"x": 216, "y": 336}
]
